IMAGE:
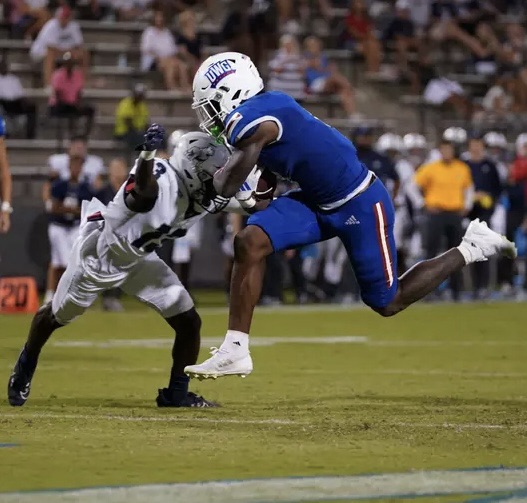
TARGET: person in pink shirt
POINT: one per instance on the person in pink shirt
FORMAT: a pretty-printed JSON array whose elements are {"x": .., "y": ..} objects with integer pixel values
[{"x": 67, "y": 84}]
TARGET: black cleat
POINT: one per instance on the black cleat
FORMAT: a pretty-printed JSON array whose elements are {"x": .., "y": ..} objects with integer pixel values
[
  {"x": 19, "y": 384},
  {"x": 191, "y": 400}
]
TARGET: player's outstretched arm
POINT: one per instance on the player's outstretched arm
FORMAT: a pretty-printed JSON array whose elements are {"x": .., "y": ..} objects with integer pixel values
[
  {"x": 229, "y": 179},
  {"x": 142, "y": 191}
]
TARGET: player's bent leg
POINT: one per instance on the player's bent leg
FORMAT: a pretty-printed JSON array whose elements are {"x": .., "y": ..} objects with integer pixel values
[
  {"x": 185, "y": 352},
  {"x": 479, "y": 244},
  {"x": 288, "y": 222},
  {"x": 251, "y": 246}
]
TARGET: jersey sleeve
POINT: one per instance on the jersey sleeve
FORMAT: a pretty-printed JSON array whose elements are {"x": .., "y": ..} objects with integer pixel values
[
  {"x": 242, "y": 123},
  {"x": 2, "y": 127}
]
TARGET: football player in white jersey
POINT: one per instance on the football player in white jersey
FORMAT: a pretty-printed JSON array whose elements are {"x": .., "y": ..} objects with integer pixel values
[{"x": 160, "y": 200}]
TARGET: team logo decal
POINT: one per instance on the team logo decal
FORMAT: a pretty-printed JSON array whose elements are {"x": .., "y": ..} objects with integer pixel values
[{"x": 218, "y": 71}]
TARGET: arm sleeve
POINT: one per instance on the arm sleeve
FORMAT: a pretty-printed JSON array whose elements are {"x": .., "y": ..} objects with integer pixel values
[
  {"x": 145, "y": 41},
  {"x": 240, "y": 126},
  {"x": 79, "y": 40},
  {"x": 2, "y": 127}
]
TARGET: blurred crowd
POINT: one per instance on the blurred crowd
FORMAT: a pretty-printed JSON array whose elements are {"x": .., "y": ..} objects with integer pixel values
[{"x": 435, "y": 50}]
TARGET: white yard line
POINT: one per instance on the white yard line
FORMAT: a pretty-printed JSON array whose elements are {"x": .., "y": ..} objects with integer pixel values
[
  {"x": 390, "y": 486},
  {"x": 146, "y": 419},
  {"x": 271, "y": 421}
]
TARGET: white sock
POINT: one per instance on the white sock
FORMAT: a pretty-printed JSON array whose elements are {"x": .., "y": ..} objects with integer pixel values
[
  {"x": 471, "y": 253},
  {"x": 464, "y": 249},
  {"x": 238, "y": 339}
]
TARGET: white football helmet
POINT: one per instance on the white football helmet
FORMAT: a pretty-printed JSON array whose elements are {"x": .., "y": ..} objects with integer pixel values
[
  {"x": 389, "y": 142},
  {"x": 456, "y": 135},
  {"x": 521, "y": 143},
  {"x": 174, "y": 138},
  {"x": 493, "y": 139},
  {"x": 414, "y": 141},
  {"x": 221, "y": 84},
  {"x": 196, "y": 158}
]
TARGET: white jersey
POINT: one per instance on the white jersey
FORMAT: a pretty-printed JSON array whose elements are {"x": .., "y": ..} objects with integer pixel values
[
  {"x": 132, "y": 235},
  {"x": 93, "y": 166}
]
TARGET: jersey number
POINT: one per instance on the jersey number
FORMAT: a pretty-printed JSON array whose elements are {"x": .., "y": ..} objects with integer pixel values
[
  {"x": 159, "y": 170},
  {"x": 154, "y": 239}
]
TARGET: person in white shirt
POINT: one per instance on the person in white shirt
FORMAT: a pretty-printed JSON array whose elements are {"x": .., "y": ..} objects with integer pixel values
[
  {"x": 288, "y": 69},
  {"x": 58, "y": 36},
  {"x": 159, "y": 50},
  {"x": 13, "y": 100}
]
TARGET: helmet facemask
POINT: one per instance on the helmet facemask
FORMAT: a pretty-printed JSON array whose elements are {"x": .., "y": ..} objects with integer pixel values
[{"x": 211, "y": 116}]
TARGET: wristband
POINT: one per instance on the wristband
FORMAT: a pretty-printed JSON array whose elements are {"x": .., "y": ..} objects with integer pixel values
[
  {"x": 6, "y": 207},
  {"x": 147, "y": 156}
]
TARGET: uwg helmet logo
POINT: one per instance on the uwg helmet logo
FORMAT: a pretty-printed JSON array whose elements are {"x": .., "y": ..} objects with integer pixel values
[{"x": 218, "y": 71}]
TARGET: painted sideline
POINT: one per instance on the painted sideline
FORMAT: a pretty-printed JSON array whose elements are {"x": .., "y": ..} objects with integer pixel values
[{"x": 282, "y": 490}]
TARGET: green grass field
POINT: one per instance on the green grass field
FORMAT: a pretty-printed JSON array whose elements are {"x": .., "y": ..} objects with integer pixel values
[{"x": 334, "y": 392}]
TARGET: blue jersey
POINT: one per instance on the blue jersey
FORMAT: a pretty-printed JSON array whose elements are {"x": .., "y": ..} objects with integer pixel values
[
  {"x": 70, "y": 194},
  {"x": 321, "y": 160},
  {"x": 2, "y": 127}
]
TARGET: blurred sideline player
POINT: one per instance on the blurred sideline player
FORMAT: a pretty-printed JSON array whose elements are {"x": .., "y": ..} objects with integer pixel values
[
  {"x": 65, "y": 215},
  {"x": 457, "y": 136},
  {"x": 159, "y": 201},
  {"x": 273, "y": 130},
  {"x": 5, "y": 183},
  {"x": 92, "y": 168}
]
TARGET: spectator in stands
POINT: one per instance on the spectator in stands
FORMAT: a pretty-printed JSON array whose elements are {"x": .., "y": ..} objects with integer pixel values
[
  {"x": 131, "y": 118},
  {"x": 5, "y": 183},
  {"x": 487, "y": 187},
  {"x": 67, "y": 85},
  {"x": 189, "y": 42},
  {"x": 27, "y": 17},
  {"x": 13, "y": 101},
  {"x": 235, "y": 31},
  {"x": 484, "y": 47},
  {"x": 448, "y": 192},
  {"x": 117, "y": 175},
  {"x": 401, "y": 31},
  {"x": 287, "y": 70},
  {"x": 94, "y": 10},
  {"x": 360, "y": 35},
  {"x": 159, "y": 50},
  {"x": 324, "y": 78},
  {"x": 498, "y": 101},
  {"x": 130, "y": 10},
  {"x": 59, "y": 168},
  {"x": 514, "y": 63},
  {"x": 58, "y": 36}
]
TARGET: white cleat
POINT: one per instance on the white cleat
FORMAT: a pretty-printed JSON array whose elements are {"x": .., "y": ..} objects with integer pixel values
[
  {"x": 223, "y": 362},
  {"x": 484, "y": 243}
]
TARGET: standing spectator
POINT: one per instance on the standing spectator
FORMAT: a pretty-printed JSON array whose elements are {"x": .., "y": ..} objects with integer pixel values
[
  {"x": 159, "y": 50},
  {"x": 448, "y": 192},
  {"x": 287, "y": 69},
  {"x": 117, "y": 175},
  {"x": 27, "y": 17},
  {"x": 380, "y": 164},
  {"x": 5, "y": 183},
  {"x": 235, "y": 31},
  {"x": 131, "y": 118},
  {"x": 324, "y": 78},
  {"x": 64, "y": 217},
  {"x": 360, "y": 35},
  {"x": 67, "y": 84},
  {"x": 58, "y": 36},
  {"x": 487, "y": 186},
  {"x": 189, "y": 42},
  {"x": 13, "y": 101}
]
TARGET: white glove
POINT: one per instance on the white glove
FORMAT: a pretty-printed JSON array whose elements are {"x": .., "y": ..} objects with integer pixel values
[{"x": 245, "y": 196}]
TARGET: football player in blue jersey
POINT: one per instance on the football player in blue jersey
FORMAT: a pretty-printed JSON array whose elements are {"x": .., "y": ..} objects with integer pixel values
[
  {"x": 5, "y": 183},
  {"x": 338, "y": 196}
]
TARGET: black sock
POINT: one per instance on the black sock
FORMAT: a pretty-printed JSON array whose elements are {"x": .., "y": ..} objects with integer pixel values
[
  {"x": 28, "y": 362},
  {"x": 178, "y": 387}
]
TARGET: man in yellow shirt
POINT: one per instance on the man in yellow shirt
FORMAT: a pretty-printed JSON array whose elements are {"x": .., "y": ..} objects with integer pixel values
[
  {"x": 131, "y": 118},
  {"x": 448, "y": 193}
]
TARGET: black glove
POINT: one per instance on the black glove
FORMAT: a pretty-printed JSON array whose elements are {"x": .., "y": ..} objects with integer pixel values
[{"x": 154, "y": 138}]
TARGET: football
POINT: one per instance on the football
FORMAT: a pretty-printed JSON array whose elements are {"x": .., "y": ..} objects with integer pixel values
[{"x": 266, "y": 185}]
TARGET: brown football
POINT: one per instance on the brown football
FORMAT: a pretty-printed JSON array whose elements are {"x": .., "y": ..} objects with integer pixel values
[{"x": 266, "y": 185}]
